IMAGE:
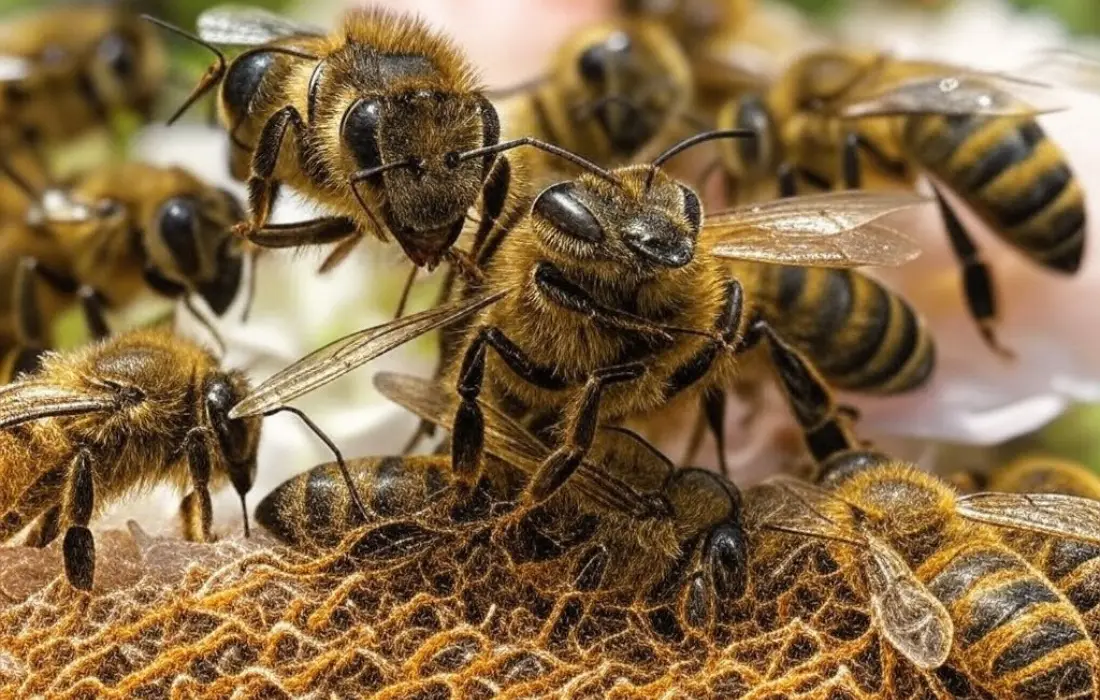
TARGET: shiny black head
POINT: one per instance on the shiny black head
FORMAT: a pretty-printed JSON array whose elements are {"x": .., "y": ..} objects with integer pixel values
[
  {"x": 750, "y": 158},
  {"x": 237, "y": 438},
  {"x": 405, "y": 148},
  {"x": 645, "y": 230},
  {"x": 713, "y": 506}
]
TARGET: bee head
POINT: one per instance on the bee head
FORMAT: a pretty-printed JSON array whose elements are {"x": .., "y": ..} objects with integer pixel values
[
  {"x": 238, "y": 438},
  {"x": 127, "y": 65},
  {"x": 406, "y": 147},
  {"x": 749, "y": 158},
  {"x": 189, "y": 248},
  {"x": 646, "y": 230}
]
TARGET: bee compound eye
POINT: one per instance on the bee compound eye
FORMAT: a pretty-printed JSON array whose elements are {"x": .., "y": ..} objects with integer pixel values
[
  {"x": 559, "y": 205},
  {"x": 179, "y": 230},
  {"x": 360, "y": 132},
  {"x": 119, "y": 54}
]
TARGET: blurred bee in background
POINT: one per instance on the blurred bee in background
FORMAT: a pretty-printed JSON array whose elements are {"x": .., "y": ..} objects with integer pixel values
[
  {"x": 615, "y": 93},
  {"x": 119, "y": 231},
  {"x": 696, "y": 24},
  {"x": 689, "y": 512},
  {"x": 941, "y": 580},
  {"x": 381, "y": 121},
  {"x": 67, "y": 71},
  {"x": 601, "y": 293},
  {"x": 866, "y": 119}
]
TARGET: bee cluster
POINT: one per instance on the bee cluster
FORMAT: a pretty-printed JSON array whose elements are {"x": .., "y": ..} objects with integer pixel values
[{"x": 544, "y": 548}]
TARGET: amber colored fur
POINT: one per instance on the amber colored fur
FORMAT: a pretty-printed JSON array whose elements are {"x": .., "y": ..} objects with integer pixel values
[
  {"x": 48, "y": 106},
  {"x": 133, "y": 448},
  {"x": 913, "y": 512}
]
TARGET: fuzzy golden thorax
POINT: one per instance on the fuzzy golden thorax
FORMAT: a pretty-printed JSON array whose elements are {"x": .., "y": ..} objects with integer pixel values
[{"x": 910, "y": 509}]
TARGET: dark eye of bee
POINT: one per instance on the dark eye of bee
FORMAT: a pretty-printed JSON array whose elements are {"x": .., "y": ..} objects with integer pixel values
[
  {"x": 360, "y": 132},
  {"x": 560, "y": 206},
  {"x": 118, "y": 53},
  {"x": 692, "y": 209},
  {"x": 593, "y": 61},
  {"x": 231, "y": 433},
  {"x": 178, "y": 228}
]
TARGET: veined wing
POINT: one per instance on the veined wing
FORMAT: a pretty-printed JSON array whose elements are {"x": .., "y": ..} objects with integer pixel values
[
  {"x": 913, "y": 620},
  {"x": 786, "y": 504},
  {"x": 837, "y": 229},
  {"x": 1055, "y": 514},
  {"x": 959, "y": 94},
  {"x": 23, "y": 401},
  {"x": 248, "y": 26},
  {"x": 350, "y": 352}
]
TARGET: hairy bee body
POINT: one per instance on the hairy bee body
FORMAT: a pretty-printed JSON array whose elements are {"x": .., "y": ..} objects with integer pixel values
[
  {"x": 384, "y": 94},
  {"x": 615, "y": 92},
  {"x": 1014, "y": 630},
  {"x": 1005, "y": 168},
  {"x": 77, "y": 66},
  {"x": 1073, "y": 567}
]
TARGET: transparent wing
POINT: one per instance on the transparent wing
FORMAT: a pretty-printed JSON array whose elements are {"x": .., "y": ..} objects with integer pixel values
[
  {"x": 838, "y": 229},
  {"x": 787, "y": 504},
  {"x": 23, "y": 401},
  {"x": 1049, "y": 513},
  {"x": 912, "y": 619},
  {"x": 985, "y": 94},
  {"x": 1065, "y": 69},
  {"x": 508, "y": 440},
  {"x": 248, "y": 26},
  {"x": 13, "y": 68},
  {"x": 350, "y": 352}
]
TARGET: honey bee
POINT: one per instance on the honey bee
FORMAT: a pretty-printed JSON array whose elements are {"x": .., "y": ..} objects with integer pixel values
[
  {"x": 861, "y": 336},
  {"x": 941, "y": 580},
  {"x": 601, "y": 288},
  {"x": 624, "y": 480},
  {"x": 696, "y": 24},
  {"x": 122, "y": 230},
  {"x": 1072, "y": 566},
  {"x": 381, "y": 121},
  {"x": 67, "y": 70},
  {"x": 614, "y": 91},
  {"x": 837, "y": 116},
  {"x": 94, "y": 424}
]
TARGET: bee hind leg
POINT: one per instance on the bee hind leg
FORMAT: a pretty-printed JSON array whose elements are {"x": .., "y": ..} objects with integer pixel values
[
  {"x": 78, "y": 548},
  {"x": 196, "y": 510},
  {"x": 45, "y": 529}
]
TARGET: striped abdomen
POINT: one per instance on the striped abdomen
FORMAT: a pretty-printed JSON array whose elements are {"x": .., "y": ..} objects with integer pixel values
[
  {"x": 1011, "y": 175},
  {"x": 1013, "y": 630},
  {"x": 861, "y": 336}
]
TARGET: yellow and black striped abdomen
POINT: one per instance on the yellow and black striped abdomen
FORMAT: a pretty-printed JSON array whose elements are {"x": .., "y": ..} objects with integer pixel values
[
  {"x": 1013, "y": 630},
  {"x": 1011, "y": 175},
  {"x": 860, "y": 335}
]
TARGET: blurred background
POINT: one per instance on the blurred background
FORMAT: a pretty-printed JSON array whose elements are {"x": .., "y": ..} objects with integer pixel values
[{"x": 980, "y": 409}]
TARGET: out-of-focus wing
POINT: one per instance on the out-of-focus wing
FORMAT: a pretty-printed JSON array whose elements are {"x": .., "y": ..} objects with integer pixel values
[
  {"x": 350, "y": 352},
  {"x": 912, "y": 619},
  {"x": 508, "y": 440},
  {"x": 1049, "y": 513},
  {"x": 838, "y": 229},
  {"x": 13, "y": 68},
  {"x": 985, "y": 94},
  {"x": 248, "y": 26},
  {"x": 1061, "y": 68},
  {"x": 23, "y": 401}
]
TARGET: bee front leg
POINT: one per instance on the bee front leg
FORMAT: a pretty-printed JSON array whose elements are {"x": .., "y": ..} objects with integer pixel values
[
  {"x": 78, "y": 548},
  {"x": 196, "y": 510},
  {"x": 262, "y": 187}
]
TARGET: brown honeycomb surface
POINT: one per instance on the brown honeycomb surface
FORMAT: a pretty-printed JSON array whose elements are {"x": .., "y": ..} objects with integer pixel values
[{"x": 430, "y": 605}]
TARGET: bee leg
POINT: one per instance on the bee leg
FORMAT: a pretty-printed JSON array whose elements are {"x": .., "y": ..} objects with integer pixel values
[
  {"x": 92, "y": 304},
  {"x": 320, "y": 231},
  {"x": 494, "y": 195},
  {"x": 714, "y": 408},
  {"x": 196, "y": 509},
  {"x": 468, "y": 433},
  {"x": 851, "y": 168},
  {"x": 788, "y": 183},
  {"x": 45, "y": 529},
  {"x": 262, "y": 188},
  {"x": 29, "y": 325},
  {"x": 78, "y": 549},
  {"x": 981, "y": 299},
  {"x": 581, "y": 433}
]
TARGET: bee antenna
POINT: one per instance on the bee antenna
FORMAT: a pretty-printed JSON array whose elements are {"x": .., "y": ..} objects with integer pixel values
[
  {"x": 206, "y": 323},
  {"x": 693, "y": 141},
  {"x": 335, "y": 451},
  {"x": 550, "y": 148},
  {"x": 213, "y": 75}
]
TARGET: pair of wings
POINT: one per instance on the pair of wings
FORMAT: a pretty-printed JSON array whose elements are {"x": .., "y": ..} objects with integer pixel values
[
  {"x": 26, "y": 400},
  {"x": 912, "y": 619},
  {"x": 830, "y": 230},
  {"x": 509, "y": 441}
]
